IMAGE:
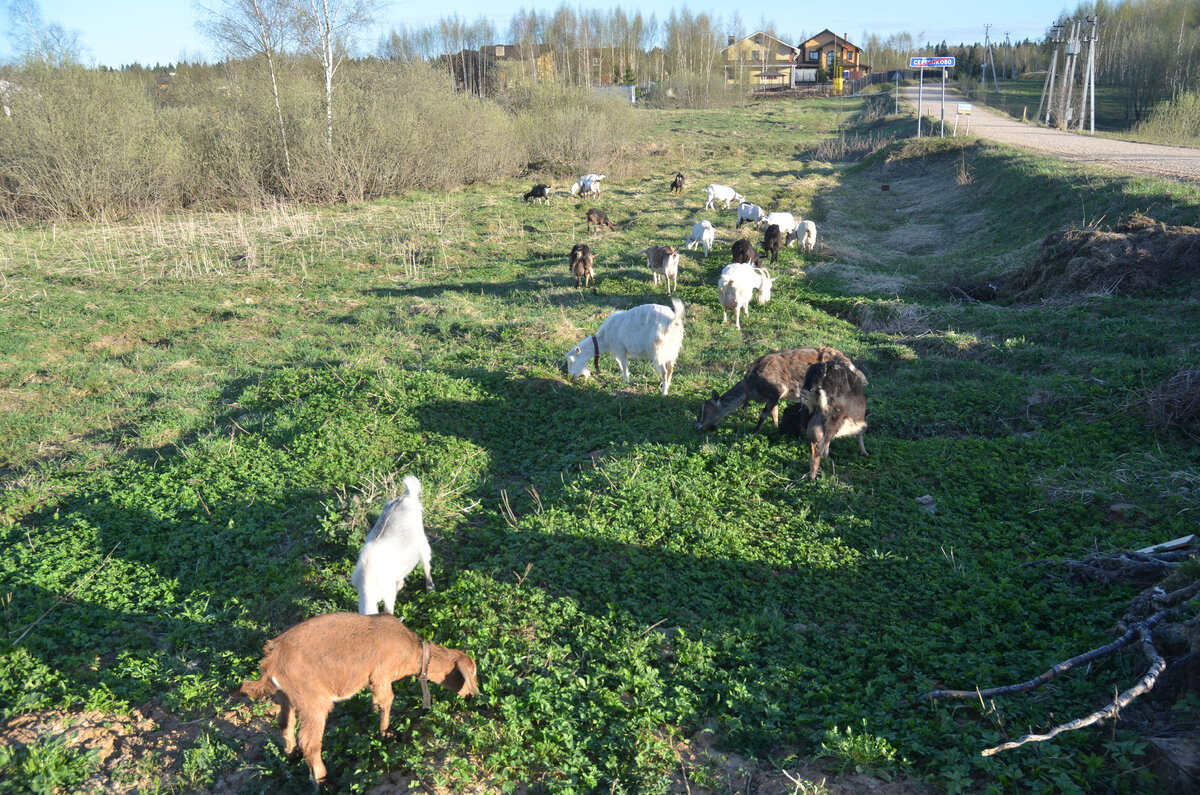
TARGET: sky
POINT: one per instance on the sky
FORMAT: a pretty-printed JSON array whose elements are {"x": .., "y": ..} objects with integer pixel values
[{"x": 149, "y": 32}]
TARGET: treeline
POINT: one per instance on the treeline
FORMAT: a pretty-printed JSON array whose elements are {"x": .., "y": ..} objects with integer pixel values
[
  {"x": 567, "y": 46},
  {"x": 86, "y": 143},
  {"x": 1149, "y": 51}
]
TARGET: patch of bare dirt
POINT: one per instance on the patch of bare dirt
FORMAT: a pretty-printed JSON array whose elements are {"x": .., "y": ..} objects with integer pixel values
[
  {"x": 1137, "y": 255},
  {"x": 705, "y": 770},
  {"x": 144, "y": 750}
]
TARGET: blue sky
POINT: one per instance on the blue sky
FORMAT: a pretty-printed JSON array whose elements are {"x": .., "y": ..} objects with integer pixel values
[{"x": 163, "y": 31}]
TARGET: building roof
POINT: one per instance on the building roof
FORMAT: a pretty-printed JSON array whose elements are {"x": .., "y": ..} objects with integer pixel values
[
  {"x": 840, "y": 38},
  {"x": 760, "y": 33}
]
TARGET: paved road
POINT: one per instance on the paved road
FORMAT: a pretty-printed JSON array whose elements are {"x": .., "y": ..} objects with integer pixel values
[{"x": 1135, "y": 158}]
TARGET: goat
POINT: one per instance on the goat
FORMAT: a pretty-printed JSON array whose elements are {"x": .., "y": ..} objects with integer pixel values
[
  {"x": 721, "y": 193},
  {"x": 832, "y": 404},
  {"x": 589, "y": 184},
  {"x": 743, "y": 252},
  {"x": 664, "y": 261},
  {"x": 772, "y": 242},
  {"x": 598, "y": 218},
  {"x": 737, "y": 284},
  {"x": 649, "y": 331},
  {"x": 392, "y": 550},
  {"x": 785, "y": 221},
  {"x": 581, "y": 262},
  {"x": 702, "y": 233},
  {"x": 769, "y": 379},
  {"x": 538, "y": 192},
  {"x": 805, "y": 234},
  {"x": 329, "y": 658},
  {"x": 749, "y": 214},
  {"x": 808, "y": 236},
  {"x": 677, "y": 185}
]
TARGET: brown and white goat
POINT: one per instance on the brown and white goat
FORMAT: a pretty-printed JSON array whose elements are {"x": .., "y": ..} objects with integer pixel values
[
  {"x": 598, "y": 218},
  {"x": 832, "y": 404},
  {"x": 664, "y": 262},
  {"x": 330, "y": 658},
  {"x": 582, "y": 261},
  {"x": 769, "y": 379}
]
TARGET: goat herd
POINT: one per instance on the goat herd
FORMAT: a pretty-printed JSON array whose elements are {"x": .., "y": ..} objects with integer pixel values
[
  {"x": 331, "y": 657},
  {"x": 827, "y": 387}
]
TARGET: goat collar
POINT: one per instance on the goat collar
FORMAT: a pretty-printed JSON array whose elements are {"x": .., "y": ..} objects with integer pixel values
[
  {"x": 596, "y": 356},
  {"x": 423, "y": 676}
]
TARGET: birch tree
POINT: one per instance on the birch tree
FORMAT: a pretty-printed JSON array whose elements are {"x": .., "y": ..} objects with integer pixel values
[
  {"x": 328, "y": 27},
  {"x": 31, "y": 35},
  {"x": 243, "y": 28}
]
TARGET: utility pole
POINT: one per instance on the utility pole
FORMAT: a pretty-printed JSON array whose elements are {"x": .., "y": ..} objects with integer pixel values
[
  {"x": 1089, "y": 76},
  {"x": 1069, "y": 73},
  {"x": 988, "y": 58},
  {"x": 1048, "y": 87},
  {"x": 1009, "y": 71}
]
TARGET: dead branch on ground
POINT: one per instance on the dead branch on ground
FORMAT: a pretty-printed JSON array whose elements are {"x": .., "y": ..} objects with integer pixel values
[{"x": 1148, "y": 609}]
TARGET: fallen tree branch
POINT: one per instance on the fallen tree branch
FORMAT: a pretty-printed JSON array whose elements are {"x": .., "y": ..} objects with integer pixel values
[
  {"x": 1148, "y": 609},
  {"x": 1157, "y": 666},
  {"x": 1057, "y": 670}
]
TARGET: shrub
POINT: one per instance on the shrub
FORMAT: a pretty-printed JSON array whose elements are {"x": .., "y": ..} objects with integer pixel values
[{"x": 1176, "y": 121}]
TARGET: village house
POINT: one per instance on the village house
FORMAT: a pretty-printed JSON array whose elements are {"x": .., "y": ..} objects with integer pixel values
[
  {"x": 824, "y": 49},
  {"x": 761, "y": 59}
]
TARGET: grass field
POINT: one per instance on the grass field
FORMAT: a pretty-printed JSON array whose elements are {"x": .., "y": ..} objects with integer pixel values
[{"x": 202, "y": 414}]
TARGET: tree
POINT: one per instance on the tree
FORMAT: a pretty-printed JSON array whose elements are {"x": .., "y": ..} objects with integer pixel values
[
  {"x": 250, "y": 28},
  {"x": 328, "y": 29},
  {"x": 51, "y": 43}
]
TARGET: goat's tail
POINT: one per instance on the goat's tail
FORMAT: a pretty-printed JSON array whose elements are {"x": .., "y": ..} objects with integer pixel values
[
  {"x": 412, "y": 486},
  {"x": 678, "y": 305},
  {"x": 258, "y": 689}
]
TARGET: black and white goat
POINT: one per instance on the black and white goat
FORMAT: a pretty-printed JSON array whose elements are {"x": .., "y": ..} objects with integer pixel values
[
  {"x": 539, "y": 192},
  {"x": 832, "y": 404}
]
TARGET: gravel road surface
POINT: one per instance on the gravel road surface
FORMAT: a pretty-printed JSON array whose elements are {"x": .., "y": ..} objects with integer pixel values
[{"x": 1135, "y": 158}]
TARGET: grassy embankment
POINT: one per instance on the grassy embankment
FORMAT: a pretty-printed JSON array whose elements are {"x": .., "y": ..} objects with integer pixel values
[{"x": 203, "y": 413}]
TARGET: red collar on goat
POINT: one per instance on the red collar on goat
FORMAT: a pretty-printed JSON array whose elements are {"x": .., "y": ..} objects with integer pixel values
[
  {"x": 596, "y": 359},
  {"x": 423, "y": 676}
]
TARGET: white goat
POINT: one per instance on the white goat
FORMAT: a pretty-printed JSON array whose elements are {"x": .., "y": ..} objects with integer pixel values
[
  {"x": 649, "y": 331},
  {"x": 737, "y": 284},
  {"x": 785, "y": 221},
  {"x": 702, "y": 233},
  {"x": 750, "y": 214},
  {"x": 589, "y": 184},
  {"x": 721, "y": 193},
  {"x": 392, "y": 550},
  {"x": 806, "y": 234}
]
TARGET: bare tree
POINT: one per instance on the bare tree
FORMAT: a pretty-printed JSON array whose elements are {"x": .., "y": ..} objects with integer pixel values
[
  {"x": 51, "y": 43},
  {"x": 254, "y": 27},
  {"x": 328, "y": 27}
]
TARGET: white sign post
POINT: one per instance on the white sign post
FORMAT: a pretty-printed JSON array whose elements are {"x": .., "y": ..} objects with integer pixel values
[
  {"x": 964, "y": 109},
  {"x": 943, "y": 62}
]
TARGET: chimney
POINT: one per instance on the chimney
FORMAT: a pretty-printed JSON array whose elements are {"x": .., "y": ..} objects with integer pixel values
[{"x": 731, "y": 39}]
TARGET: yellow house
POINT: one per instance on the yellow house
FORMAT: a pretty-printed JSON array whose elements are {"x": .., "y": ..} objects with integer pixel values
[
  {"x": 761, "y": 59},
  {"x": 824, "y": 49}
]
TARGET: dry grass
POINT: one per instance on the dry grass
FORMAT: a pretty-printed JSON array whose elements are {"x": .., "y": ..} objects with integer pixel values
[{"x": 1175, "y": 403}]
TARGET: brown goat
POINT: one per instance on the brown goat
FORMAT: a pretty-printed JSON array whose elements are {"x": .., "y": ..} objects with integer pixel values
[
  {"x": 598, "y": 218},
  {"x": 664, "y": 262},
  {"x": 582, "y": 261},
  {"x": 832, "y": 404},
  {"x": 743, "y": 251},
  {"x": 331, "y": 657},
  {"x": 677, "y": 184},
  {"x": 772, "y": 242},
  {"x": 769, "y": 379}
]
